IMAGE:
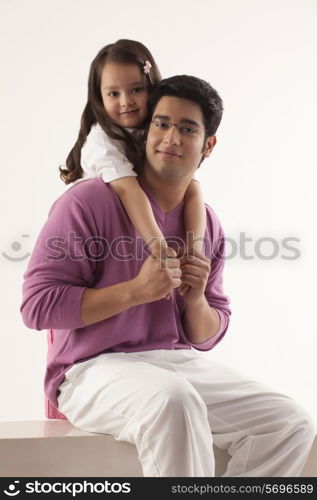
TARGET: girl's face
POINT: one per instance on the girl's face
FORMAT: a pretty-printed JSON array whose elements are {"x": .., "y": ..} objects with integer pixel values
[{"x": 124, "y": 94}]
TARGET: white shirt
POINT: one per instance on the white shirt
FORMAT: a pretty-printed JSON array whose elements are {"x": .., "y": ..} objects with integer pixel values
[{"x": 102, "y": 156}]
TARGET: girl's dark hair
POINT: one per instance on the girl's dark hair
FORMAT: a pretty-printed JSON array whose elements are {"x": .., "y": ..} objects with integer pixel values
[{"x": 122, "y": 51}]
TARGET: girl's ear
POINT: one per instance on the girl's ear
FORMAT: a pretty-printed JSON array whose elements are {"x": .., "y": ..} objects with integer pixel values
[{"x": 210, "y": 144}]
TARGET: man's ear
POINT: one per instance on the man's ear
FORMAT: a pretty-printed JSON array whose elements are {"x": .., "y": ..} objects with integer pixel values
[{"x": 209, "y": 146}]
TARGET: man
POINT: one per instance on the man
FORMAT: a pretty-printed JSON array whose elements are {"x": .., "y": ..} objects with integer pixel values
[{"x": 125, "y": 360}]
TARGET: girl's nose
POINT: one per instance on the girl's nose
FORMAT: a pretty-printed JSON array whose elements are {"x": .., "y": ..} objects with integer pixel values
[{"x": 126, "y": 101}]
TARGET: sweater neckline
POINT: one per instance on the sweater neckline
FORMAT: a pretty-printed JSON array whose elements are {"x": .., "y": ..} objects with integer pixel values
[{"x": 158, "y": 210}]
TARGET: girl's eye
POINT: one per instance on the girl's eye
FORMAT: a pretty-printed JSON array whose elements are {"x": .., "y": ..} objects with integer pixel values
[
  {"x": 114, "y": 93},
  {"x": 137, "y": 90}
]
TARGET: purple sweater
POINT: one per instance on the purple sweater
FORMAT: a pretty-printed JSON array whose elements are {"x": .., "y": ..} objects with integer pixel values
[{"x": 88, "y": 241}]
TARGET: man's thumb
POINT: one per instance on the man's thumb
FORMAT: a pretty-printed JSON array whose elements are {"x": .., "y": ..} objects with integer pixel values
[{"x": 170, "y": 252}]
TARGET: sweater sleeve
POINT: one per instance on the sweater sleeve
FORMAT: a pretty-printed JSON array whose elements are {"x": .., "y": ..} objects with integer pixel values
[
  {"x": 60, "y": 268},
  {"x": 103, "y": 157},
  {"x": 214, "y": 292}
]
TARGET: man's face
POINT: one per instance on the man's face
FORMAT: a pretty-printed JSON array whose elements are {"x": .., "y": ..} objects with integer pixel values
[{"x": 175, "y": 153}]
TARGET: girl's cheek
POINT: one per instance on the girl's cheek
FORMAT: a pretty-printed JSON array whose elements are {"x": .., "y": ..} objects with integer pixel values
[{"x": 146, "y": 100}]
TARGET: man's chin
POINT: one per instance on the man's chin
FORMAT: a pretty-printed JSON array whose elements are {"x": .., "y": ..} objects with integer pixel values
[
  {"x": 164, "y": 171},
  {"x": 168, "y": 170},
  {"x": 169, "y": 174}
]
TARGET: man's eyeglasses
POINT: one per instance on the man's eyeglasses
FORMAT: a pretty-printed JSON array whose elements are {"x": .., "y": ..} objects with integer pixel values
[{"x": 183, "y": 128}]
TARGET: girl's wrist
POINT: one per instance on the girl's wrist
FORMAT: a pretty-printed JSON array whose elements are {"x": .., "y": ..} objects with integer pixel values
[{"x": 159, "y": 248}]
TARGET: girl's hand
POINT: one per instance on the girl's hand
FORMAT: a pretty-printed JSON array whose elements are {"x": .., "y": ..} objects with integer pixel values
[
  {"x": 195, "y": 267},
  {"x": 162, "y": 252},
  {"x": 183, "y": 289}
]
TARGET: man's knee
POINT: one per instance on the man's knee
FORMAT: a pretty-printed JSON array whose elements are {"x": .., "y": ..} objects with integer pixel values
[
  {"x": 300, "y": 421},
  {"x": 306, "y": 426},
  {"x": 180, "y": 395}
]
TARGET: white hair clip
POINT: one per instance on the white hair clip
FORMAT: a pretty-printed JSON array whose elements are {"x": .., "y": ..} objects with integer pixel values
[{"x": 147, "y": 67}]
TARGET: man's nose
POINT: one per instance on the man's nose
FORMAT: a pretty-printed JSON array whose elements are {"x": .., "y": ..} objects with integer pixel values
[{"x": 172, "y": 136}]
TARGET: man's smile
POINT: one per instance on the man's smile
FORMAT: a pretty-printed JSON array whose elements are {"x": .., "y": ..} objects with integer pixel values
[{"x": 166, "y": 152}]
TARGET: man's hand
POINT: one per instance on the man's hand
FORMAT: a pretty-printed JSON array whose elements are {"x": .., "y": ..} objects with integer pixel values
[
  {"x": 195, "y": 267},
  {"x": 157, "y": 278}
]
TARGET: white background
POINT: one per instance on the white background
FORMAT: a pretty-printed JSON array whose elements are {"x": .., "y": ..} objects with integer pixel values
[{"x": 261, "y": 178}]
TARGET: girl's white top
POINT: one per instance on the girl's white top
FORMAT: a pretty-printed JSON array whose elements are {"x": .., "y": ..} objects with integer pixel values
[{"x": 102, "y": 156}]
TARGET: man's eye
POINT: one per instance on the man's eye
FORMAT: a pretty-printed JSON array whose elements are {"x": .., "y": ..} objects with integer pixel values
[
  {"x": 188, "y": 130},
  {"x": 162, "y": 125}
]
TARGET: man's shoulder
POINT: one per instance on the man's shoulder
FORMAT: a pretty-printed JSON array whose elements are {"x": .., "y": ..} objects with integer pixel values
[
  {"x": 213, "y": 221},
  {"x": 88, "y": 192},
  {"x": 214, "y": 237}
]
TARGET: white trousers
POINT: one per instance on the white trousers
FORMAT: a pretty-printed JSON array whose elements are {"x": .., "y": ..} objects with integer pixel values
[{"x": 174, "y": 404}]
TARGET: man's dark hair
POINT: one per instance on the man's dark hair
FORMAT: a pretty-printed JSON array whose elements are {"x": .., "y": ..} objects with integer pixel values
[{"x": 194, "y": 89}]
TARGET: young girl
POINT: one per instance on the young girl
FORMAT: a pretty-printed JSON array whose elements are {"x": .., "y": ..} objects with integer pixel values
[{"x": 111, "y": 135}]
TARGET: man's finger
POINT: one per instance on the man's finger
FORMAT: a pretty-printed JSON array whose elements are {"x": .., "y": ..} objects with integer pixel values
[
  {"x": 176, "y": 282},
  {"x": 171, "y": 263},
  {"x": 198, "y": 272},
  {"x": 191, "y": 253},
  {"x": 176, "y": 272},
  {"x": 193, "y": 281},
  {"x": 170, "y": 252},
  {"x": 196, "y": 253},
  {"x": 197, "y": 262}
]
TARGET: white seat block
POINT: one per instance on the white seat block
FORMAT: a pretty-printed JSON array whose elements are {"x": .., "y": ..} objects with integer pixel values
[{"x": 55, "y": 448}]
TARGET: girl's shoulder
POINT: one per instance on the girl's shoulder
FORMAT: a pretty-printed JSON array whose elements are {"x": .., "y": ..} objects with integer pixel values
[
  {"x": 97, "y": 131},
  {"x": 98, "y": 134},
  {"x": 100, "y": 144},
  {"x": 98, "y": 140},
  {"x": 97, "y": 137}
]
